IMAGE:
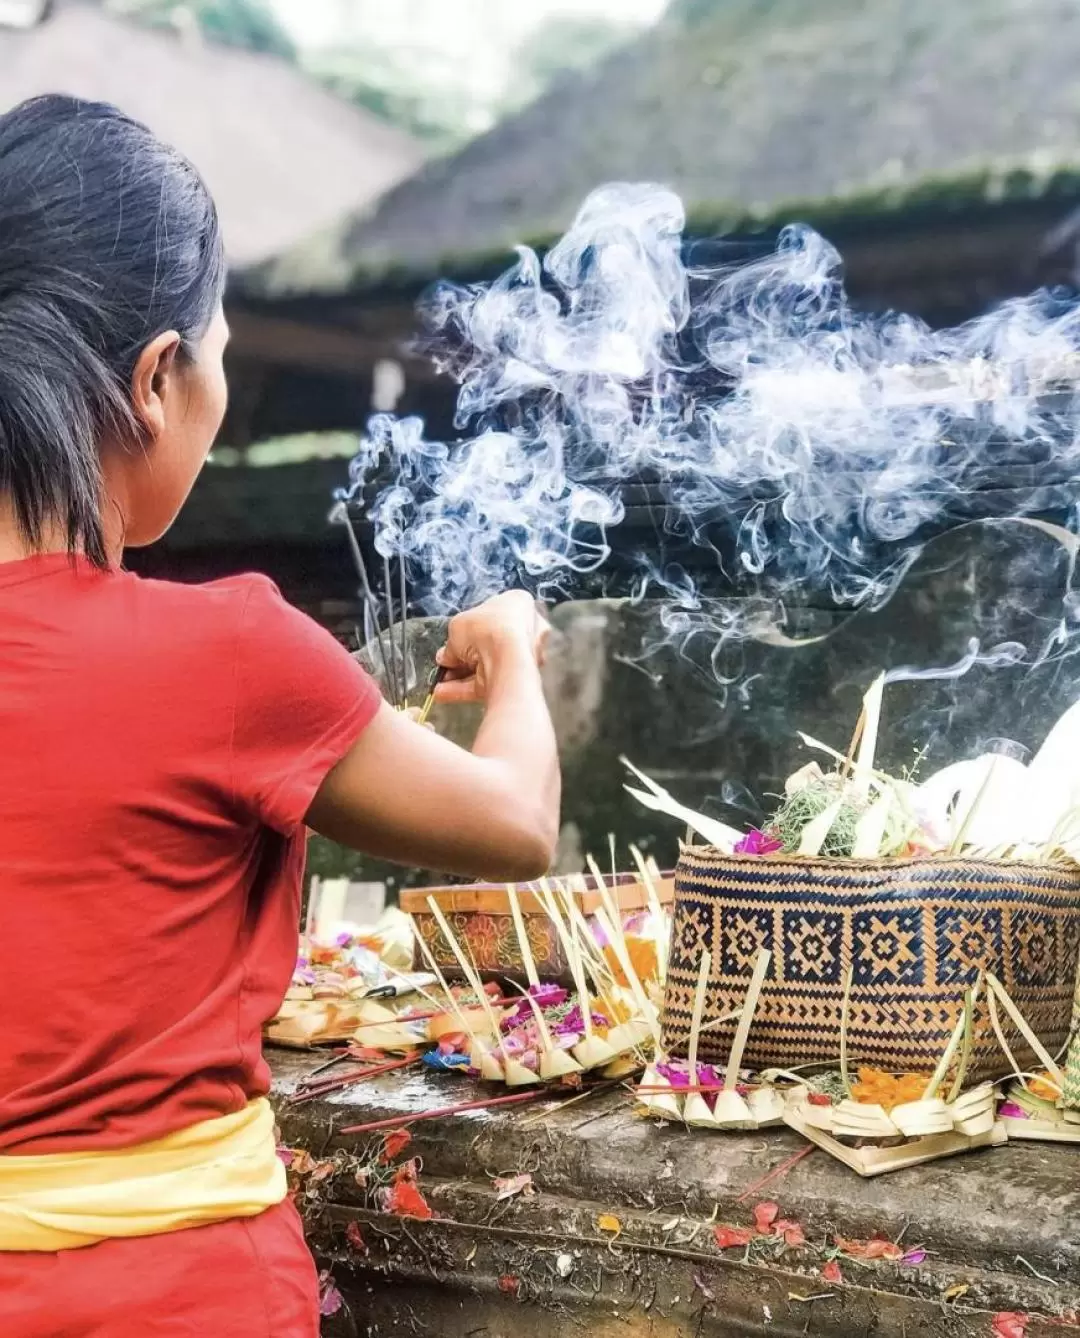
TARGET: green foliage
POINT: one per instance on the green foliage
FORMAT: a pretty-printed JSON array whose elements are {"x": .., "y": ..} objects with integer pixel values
[
  {"x": 393, "y": 84},
  {"x": 565, "y": 43},
  {"x": 249, "y": 24}
]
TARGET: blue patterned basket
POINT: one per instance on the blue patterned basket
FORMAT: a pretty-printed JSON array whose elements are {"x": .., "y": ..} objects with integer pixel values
[{"x": 915, "y": 933}]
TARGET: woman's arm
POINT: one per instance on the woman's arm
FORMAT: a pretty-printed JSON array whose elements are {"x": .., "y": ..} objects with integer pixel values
[{"x": 403, "y": 793}]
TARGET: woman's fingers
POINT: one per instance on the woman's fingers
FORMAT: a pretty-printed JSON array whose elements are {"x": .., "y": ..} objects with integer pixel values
[{"x": 457, "y": 691}]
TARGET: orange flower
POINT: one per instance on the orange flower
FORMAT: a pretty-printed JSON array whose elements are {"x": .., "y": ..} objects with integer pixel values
[
  {"x": 1044, "y": 1087},
  {"x": 642, "y": 954},
  {"x": 877, "y": 1088}
]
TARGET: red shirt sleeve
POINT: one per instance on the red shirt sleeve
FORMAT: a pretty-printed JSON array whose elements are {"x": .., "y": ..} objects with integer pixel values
[{"x": 301, "y": 702}]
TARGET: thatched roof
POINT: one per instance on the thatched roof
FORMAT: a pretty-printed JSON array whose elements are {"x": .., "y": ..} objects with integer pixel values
[
  {"x": 282, "y": 156},
  {"x": 744, "y": 106}
]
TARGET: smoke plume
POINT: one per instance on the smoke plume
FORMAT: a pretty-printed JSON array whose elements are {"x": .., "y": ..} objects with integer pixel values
[{"x": 799, "y": 444}]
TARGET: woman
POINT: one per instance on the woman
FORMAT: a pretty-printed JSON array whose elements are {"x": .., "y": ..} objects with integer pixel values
[{"x": 164, "y": 749}]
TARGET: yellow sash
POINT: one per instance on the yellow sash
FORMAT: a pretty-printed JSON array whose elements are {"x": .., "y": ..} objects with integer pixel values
[{"x": 215, "y": 1170}]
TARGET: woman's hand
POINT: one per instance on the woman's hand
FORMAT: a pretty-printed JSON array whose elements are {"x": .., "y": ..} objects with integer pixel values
[
  {"x": 407, "y": 795},
  {"x": 504, "y": 626}
]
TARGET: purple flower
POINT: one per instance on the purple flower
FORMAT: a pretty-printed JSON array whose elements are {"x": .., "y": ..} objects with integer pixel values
[
  {"x": 548, "y": 995},
  {"x": 1011, "y": 1111},
  {"x": 914, "y": 1258},
  {"x": 678, "y": 1075},
  {"x": 756, "y": 842},
  {"x": 330, "y": 1299},
  {"x": 574, "y": 1024}
]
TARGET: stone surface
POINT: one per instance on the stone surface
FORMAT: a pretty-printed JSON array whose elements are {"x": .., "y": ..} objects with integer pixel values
[{"x": 999, "y": 1228}]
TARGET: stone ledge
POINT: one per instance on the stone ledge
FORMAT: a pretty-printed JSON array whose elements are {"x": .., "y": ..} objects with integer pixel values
[{"x": 987, "y": 1220}]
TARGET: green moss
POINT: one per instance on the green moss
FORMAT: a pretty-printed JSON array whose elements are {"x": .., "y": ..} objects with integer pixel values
[{"x": 912, "y": 204}]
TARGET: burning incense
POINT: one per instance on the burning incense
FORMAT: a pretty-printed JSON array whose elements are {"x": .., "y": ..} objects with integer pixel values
[
  {"x": 437, "y": 676},
  {"x": 403, "y": 593}
]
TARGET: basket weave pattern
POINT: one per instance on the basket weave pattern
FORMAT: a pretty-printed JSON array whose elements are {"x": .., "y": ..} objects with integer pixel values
[
  {"x": 915, "y": 933},
  {"x": 492, "y": 942}
]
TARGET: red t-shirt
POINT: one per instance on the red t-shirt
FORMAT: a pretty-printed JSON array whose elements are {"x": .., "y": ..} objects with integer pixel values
[{"x": 160, "y": 745}]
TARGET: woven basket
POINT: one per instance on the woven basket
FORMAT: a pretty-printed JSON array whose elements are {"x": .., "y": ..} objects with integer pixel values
[
  {"x": 915, "y": 932},
  {"x": 480, "y": 917}
]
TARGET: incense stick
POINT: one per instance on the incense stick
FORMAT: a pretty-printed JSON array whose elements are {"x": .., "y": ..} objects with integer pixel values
[
  {"x": 404, "y": 626},
  {"x": 400, "y": 1121},
  {"x": 388, "y": 597},
  {"x": 340, "y": 515}
]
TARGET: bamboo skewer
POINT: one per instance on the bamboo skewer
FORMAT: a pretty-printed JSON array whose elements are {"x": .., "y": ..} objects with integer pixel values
[
  {"x": 591, "y": 1052},
  {"x": 864, "y": 759},
  {"x": 1041, "y": 1053},
  {"x": 489, "y": 1066},
  {"x": 657, "y": 914},
  {"x": 611, "y": 924},
  {"x": 525, "y": 947},
  {"x": 515, "y": 1073},
  {"x": 696, "y": 1110},
  {"x": 403, "y": 593},
  {"x": 730, "y": 1107},
  {"x": 481, "y": 1058}
]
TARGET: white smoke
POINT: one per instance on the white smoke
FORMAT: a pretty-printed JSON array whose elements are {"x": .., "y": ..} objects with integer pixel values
[{"x": 816, "y": 444}]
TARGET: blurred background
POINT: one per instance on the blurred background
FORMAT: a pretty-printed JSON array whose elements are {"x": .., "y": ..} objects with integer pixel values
[{"x": 360, "y": 149}]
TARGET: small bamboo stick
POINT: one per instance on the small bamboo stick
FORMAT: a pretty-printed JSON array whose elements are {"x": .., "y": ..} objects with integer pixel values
[
  {"x": 738, "y": 1047},
  {"x": 591, "y": 1051},
  {"x": 965, "y": 825},
  {"x": 525, "y": 946},
  {"x": 1040, "y": 1051},
  {"x": 864, "y": 759},
  {"x": 478, "y": 1048},
  {"x": 695, "y": 1108},
  {"x": 594, "y": 967},
  {"x": 515, "y": 1072},
  {"x": 656, "y": 910},
  {"x": 845, "y": 1008},
  {"x": 860, "y": 725}
]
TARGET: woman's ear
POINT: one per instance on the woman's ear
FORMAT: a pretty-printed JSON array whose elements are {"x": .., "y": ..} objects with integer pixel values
[{"x": 151, "y": 382}]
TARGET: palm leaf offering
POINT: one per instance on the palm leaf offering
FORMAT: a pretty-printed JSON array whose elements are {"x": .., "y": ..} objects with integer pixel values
[{"x": 987, "y": 807}]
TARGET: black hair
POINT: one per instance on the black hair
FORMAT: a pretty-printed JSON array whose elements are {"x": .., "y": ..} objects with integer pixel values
[{"x": 108, "y": 238}]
